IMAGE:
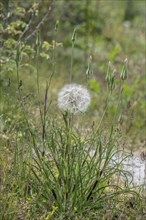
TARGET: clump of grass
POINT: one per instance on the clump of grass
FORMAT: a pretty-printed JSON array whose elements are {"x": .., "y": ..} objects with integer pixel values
[{"x": 73, "y": 179}]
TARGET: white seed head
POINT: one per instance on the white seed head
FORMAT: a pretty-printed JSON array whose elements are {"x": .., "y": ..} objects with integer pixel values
[{"x": 74, "y": 98}]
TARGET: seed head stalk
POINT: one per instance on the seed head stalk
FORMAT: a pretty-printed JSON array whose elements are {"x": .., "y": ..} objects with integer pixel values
[
  {"x": 38, "y": 45},
  {"x": 72, "y": 54},
  {"x": 37, "y": 70},
  {"x": 48, "y": 83},
  {"x": 110, "y": 87},
  {"x": 53, "y": 56},
  {"x": 68, "y": 158},
  {"x": 123, "y": 77},
  {"x": 89, "y": 71},
  {"x": 119, "y": 102}
]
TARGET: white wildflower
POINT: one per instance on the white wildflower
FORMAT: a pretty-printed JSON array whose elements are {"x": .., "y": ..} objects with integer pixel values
[{"x": 74, "y": 98}]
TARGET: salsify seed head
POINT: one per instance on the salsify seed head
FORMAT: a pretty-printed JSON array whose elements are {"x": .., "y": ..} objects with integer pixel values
[{"x": 74, "y": 98}]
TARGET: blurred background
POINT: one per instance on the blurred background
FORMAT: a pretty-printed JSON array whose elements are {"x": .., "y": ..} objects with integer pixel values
[{"x": 81, "y": 34}]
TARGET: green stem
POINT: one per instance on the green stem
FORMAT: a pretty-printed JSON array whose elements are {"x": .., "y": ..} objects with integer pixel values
[
  {"x": 37, "y": 70},
  {"x": 72, "y": 58},
  {"x": 119, "y": 102},
  {"x": 72, "y": 54},
  {"x": 105, "y": 110}
]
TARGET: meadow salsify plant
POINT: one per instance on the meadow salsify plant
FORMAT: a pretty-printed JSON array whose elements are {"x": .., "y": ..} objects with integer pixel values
[{"x": 73, "y": 176}]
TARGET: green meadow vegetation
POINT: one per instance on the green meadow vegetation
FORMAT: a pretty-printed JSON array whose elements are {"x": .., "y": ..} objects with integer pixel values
[{"x": 73, "y": 109}]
